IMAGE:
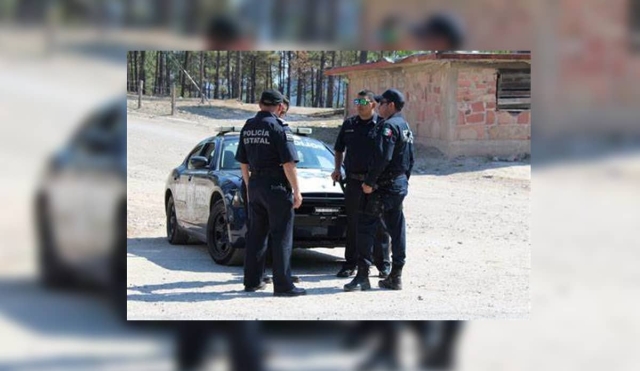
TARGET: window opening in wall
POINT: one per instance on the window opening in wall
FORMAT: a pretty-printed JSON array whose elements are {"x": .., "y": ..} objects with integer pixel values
[{"x": 514, "y": 90}]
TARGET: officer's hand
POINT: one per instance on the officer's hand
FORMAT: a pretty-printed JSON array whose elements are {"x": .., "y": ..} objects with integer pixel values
[
  {"x": 336, "y": 175},
  {"x": 366, "y": 189},
  {"x": 297, "y": 199}
]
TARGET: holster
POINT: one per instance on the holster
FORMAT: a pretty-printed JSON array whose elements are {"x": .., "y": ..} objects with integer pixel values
[{"x": 372, "y": 204}]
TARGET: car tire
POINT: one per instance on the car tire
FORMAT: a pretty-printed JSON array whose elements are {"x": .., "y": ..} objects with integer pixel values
[
  {"x": 53, "y": 273},
  {"x": 218, "y": 243},
  {"x": 175, "y": 234}
]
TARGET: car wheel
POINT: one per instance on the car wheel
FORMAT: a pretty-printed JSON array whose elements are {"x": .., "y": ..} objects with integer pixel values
[
  {"x": 175, "y": 234},
  {"x": 218, "y": 243},
  {"x": 53, "y": 273}
]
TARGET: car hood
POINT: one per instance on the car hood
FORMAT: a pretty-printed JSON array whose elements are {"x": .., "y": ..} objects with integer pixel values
[{"x": 311, "y": 181}]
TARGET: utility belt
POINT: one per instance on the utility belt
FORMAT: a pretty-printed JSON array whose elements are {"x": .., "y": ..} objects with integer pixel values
[
  {"x": 357, "y": 176},
  {"x": 271, "y": 171}
]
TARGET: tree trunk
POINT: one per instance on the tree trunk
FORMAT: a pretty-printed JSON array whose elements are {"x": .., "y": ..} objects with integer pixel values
[
  {"x": 201, "y": 77},
  {"x": 228, "y": 73},
  {"x": 216, "y": 92},
  {"x": 167, "y": 78},
  {"x": 128, "y": 72},
  {"x": 157, "y": 74},
  {"x": 253, "y": 79},
  {"x": 339, "y": 91},
  {"x": 363, "y": 56},
  {"x": 300, "y": 78},
  {"x": 289, "y": 74},
  {"x": 331, "y": 82},
  {"x": 159, "y": 82},
  {"x": 281, "y": 73},
  {"x": 143, "y": 75},
  {"x": 319, "y": 83},
  {"x": 238, "y": 76},
  {"x": 182, "y": 75},
  {"x": 312, "y": 80},
  {"x": 136, "y": 74}
]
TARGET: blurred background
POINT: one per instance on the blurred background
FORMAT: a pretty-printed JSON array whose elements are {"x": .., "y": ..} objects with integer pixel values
[{"x": 62, "y": 84}]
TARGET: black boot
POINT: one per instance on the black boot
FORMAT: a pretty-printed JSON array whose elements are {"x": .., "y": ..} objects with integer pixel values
[
  {"x": 394, "y": 281},
  {"x": 360, "y": 281}
]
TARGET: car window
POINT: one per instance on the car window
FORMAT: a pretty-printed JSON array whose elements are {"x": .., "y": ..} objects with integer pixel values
[
  {"x": 311, "y": 153},
  {"x": 208, "y": 151},
  {"x": 194, "y": 152},
  {"x": 228, "y": 158}
]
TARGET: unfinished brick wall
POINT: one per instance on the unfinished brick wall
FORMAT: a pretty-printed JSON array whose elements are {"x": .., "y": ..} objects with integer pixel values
[
  {"x": 451, "y": 107},
  {"x": 423, "y": 88},
  {"x": 478, "y": 117}
]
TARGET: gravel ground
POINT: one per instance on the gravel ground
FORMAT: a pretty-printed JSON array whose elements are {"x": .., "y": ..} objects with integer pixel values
[{"x": 468, "y": 241}]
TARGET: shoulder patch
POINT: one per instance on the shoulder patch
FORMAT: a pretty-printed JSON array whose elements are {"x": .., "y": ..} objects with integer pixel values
[
  {"x": 387, "y": 132},
  {"x": 289, "y": 137}
]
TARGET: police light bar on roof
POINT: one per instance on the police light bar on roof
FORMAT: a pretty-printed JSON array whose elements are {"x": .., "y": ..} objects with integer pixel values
[
  {"x": 303, "y": 131},
  {"x": 237, "y": 129},
  {"x": 230, "y": 129}
]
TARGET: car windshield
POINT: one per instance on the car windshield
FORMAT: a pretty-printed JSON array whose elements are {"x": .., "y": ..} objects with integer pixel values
[{"x": 311, "y": 153}]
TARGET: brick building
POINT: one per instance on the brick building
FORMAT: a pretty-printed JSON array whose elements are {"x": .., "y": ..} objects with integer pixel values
[{"x": 461, "y": 103}]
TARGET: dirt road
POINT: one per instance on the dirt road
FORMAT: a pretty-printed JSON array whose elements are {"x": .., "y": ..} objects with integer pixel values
[{"x": 468, "y": 242}]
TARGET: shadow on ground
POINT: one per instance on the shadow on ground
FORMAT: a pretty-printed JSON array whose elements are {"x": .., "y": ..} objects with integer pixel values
[
  {"x": 310, "y": 265},
  {"x": 430, "y": 161}
]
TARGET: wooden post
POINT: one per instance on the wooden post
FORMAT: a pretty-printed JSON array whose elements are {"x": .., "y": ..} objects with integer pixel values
[
  {"x": 173, "y": 98},
  {"x": 140, "y": 93}
]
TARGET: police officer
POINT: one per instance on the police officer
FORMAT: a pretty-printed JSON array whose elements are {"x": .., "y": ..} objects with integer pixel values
[
  {"x": 385, "y": 187},
  {"x": 281, "y": 115},
  {"x": 356, "y": 136},
  {"x": 268, "y": 160}
]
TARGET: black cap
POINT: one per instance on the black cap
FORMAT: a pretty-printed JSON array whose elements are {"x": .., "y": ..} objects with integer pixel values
[
  {"x": 271, "y": 97},
  {"x": 377, "y": 98},
  {"x": 393, "y": 95}
]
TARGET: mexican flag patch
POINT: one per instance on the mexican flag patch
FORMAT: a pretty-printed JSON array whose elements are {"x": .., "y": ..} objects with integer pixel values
[{"x": 387, "y": 132}]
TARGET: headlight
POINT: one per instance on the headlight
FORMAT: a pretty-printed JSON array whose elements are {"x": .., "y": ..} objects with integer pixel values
[{"x": 237, "y": 199}]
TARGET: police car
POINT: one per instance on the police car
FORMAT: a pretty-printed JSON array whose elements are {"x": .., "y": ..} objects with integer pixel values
[
  {"x": 80, "y": 206},
  {"x": 204, "y": 201}
]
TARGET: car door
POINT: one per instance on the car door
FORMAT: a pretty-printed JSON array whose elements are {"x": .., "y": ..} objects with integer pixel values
[
  {"x": 202, "y": 188},
  {"x": 183, "y": 193}
]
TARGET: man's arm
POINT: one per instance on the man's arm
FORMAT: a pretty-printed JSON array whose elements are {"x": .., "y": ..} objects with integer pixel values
[
  {"x": 292, "y": 176},
  {"x": 338, "y": 158},
  {"x": 383, "y": 152},
  {"x": 245, "y": 173}
]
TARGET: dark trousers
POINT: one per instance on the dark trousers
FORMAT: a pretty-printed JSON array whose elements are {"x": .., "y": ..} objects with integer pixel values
[
  {"x": 383, "y": 205},
  {"x": 270, "y": 215},
  {"x": 353, "y": 199}
]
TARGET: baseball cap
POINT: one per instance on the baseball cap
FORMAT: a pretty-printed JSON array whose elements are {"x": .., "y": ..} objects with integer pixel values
[
  {"x": 377, "y": 98},
  {"x": 271, "y": 97},
  {"x": 395, "y": 96}
]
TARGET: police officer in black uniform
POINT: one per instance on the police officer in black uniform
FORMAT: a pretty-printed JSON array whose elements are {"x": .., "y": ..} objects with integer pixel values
[
  {"x": 266, "y": 152},
  {"x": 281, "y": 116},
  {"x": 385, "y": 186},
  {"x": 356, "y": 136}
]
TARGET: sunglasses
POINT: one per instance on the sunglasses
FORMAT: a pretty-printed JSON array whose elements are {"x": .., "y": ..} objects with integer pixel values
[{"x": 361, "y": 101}]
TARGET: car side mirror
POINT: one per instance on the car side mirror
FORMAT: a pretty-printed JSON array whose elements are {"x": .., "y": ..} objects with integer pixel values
[{"x": 198, "y": 162}]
